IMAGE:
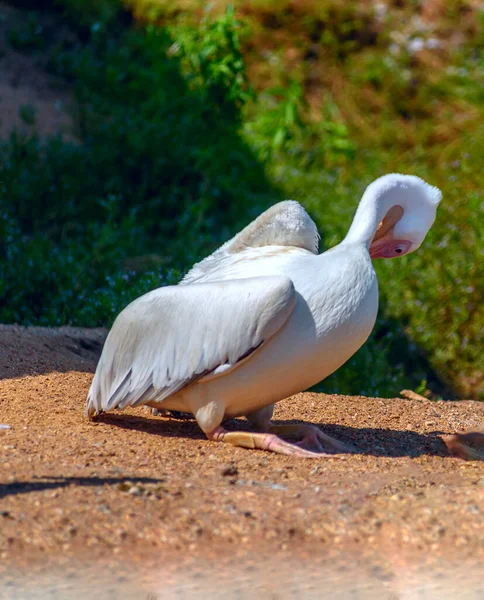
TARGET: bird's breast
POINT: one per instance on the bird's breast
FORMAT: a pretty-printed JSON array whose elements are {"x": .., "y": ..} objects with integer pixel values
[{"x": 334, "y": 314}]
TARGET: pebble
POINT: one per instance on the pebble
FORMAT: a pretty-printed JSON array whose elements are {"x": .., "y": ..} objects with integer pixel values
[{"x": 230, "y": 471}]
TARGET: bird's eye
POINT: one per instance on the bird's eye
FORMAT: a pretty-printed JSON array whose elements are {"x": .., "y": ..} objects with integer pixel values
[{"x": 400, "y": 247}]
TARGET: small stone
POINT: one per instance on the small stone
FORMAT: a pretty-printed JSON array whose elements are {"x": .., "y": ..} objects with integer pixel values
[
  {"x": 230, "y": 471},
  {"x": 276, "y": 486}
]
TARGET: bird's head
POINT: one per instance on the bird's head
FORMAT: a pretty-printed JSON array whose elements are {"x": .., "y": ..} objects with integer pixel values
[{"x": 409, "y": 205}]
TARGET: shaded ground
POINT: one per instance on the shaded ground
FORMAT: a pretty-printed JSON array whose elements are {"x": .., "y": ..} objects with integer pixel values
[
  {"x": 139, "y": 502},
  {"x": 25, "y": 85}
]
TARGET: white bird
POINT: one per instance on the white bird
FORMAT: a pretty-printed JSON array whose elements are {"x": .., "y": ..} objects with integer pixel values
[{"x": 262, "y": 318}]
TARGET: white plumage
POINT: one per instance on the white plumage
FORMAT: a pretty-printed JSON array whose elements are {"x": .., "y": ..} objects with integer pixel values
[
  {"x": 262, "y": 318},
  {"x": 150, "y": 360}
]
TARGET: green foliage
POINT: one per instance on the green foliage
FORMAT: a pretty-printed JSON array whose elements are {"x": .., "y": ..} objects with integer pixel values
[
  {"x": 441, "y": 288},
  {"x": 27, "y": 113},
  {"x": 90, "y": 14},
  {"x": 43, "y": 283},
  {"x": 160, "y": 170},
  {"x": 213, "y": 61},
  {"x": 29, "y": 37},
  {"x": 279, "y": 129}
]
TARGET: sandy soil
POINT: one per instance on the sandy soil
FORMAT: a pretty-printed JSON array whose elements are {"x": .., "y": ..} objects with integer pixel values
[{"x": 135, "y": 502}]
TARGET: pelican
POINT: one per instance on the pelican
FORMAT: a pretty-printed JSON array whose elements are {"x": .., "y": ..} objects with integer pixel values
[{"x": 262, "y": 318}]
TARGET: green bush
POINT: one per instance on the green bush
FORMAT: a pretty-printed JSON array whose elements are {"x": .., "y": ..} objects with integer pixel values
[{"x": 159, "y": 170}]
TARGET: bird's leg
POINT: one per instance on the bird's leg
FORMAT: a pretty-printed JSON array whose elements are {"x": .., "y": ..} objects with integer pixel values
[
  {"x": 175, "y": 414},
  {"x": 262, "y": 441},
  {"x": 209, "y": 416},
  {"x": 157, "y": 410},
  {"x": 312, "y": 437},
  {"x": 260, "y": 420}
]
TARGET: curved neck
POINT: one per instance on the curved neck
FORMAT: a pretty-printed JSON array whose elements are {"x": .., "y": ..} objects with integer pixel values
[
  {"x": 373, "y": 206},
  {"x": 417, "y": 202}
]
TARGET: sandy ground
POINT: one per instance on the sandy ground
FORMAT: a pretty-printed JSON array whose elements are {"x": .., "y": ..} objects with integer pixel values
[{"x": 136, "y": 506}]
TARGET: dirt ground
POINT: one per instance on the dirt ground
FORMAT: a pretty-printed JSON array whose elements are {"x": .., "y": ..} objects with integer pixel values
[{"x": 137, "y": 506}]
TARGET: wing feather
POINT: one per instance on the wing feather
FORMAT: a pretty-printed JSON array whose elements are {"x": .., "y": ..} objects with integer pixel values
[
  {"x": 284, "y": 224},
  {"x": 175, "y": 335}
]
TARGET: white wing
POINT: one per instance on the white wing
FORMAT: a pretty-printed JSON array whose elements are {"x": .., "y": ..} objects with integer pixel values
[
  {"x": 174, "y": 335},
  {"x": 284, "y": 224}
]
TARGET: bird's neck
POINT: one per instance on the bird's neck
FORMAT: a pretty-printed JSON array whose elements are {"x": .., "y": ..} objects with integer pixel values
[{"x": 372, "y": 209}]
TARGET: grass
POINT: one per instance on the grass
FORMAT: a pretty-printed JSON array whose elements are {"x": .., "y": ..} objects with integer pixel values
[
  {"x": 190, "y": 124},
  {"x": 154, "y": 160}
]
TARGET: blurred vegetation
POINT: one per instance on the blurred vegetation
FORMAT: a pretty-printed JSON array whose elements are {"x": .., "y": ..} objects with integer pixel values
[{"x": 189, "y": 123}]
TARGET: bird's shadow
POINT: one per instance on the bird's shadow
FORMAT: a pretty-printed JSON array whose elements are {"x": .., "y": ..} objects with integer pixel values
[
  {"x": 366, "y": 440},
  {"x": 50, "y": 483}
]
